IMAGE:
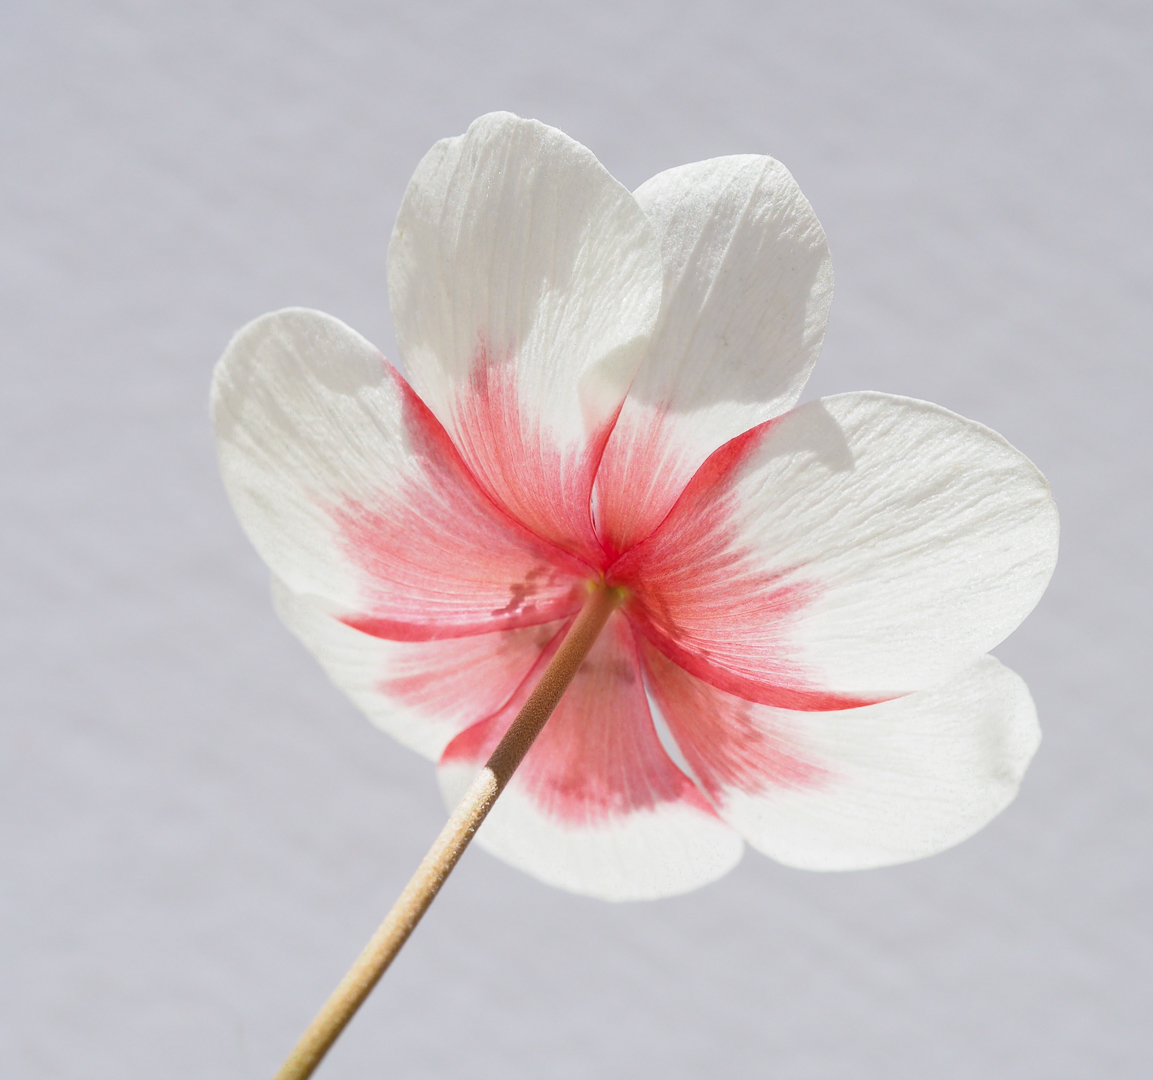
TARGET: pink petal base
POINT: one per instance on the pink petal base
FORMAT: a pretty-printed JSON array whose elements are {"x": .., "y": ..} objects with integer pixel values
[
  {"x": 599, "y": 757},
  {"x": 438, "y": 559}
]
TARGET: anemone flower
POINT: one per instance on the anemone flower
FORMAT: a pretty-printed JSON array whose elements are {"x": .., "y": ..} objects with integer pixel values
[{"x": 600, "y": 402}]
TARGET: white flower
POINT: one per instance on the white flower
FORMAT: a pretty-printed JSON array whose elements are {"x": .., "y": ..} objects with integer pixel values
[{"x": 600, "y": 386}]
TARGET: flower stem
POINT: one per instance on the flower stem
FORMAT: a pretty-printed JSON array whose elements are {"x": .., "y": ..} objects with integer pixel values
[{"x": 453, "y": 839}]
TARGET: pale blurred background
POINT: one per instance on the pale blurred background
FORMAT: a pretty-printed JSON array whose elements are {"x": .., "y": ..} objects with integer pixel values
[{"x": 199, "y": 832}]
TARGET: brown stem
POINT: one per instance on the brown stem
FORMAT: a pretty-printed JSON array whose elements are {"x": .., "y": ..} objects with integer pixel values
[{"x": 453, "y": 839}]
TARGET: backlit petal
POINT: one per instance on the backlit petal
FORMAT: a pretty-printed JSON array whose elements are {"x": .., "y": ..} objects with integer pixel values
[
  {"x": 351, "y": 491},
  {"x": 597, "y": 806},
  {"x": 883, "y": 784},
  {"x": 524, "y": 283},
  {"x": 423, "y": 693},
  {"x": 748, "y": 283},
  {"x": 852, "y": 550}
]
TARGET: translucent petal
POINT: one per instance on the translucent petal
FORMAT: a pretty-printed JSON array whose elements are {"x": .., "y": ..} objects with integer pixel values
[
  {"x": 524, "y": 283},
  {"x": 748, "y": 283},
  {"x": 351, "y": 491},
  {"x": 882, "y": 784},
  {"x": 852, "y": 550}
]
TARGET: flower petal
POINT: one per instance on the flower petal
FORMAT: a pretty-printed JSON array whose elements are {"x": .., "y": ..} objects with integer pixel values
[
  {"x": 855, "y": 549},
  {"x": 350, "y": 490},
  {"x": 748, "y": 283},
  {"x": 524, "y": 283},
  {"x": 865, "y": 787},
  {"x": 597, "y": 806},
  {"x": 423, "y": 693}
]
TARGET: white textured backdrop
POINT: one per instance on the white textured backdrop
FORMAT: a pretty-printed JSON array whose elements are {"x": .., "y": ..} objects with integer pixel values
[{"x": 198, "y": 832}]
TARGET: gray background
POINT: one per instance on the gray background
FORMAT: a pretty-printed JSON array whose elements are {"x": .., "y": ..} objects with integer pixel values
[{"x": 199, "y": 832}]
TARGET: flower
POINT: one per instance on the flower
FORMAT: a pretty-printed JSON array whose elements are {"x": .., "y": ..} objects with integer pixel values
[{"x": 601, "y": 387}]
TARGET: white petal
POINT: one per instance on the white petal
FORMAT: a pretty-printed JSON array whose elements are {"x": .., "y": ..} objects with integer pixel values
[
  {"x": 854, "y": 549},
  {"x": 883, "y": 784},
  {"x": 350, "y": 490},
  {"x": 422, "y": 693},
  {"x": 670, "y": 849},
  {"x": 748, "y": 284},
  {"x": 524, "y": 283}
]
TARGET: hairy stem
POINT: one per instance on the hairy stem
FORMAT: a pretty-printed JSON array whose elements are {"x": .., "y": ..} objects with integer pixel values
[{"x": 453, "y": 839}]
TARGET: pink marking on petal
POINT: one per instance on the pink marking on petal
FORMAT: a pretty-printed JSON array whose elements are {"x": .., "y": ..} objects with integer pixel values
[
  {"x": 722, "y": 742},
  {"x": 599, "y": 755},
  {"x": 702, "y": 600},
  {"x": 641, "y": 475},
  {"x": 544, "y": 486},
  {"x": 439, "y": 559},
  {"x": 465, "y": 679}
]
